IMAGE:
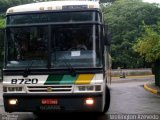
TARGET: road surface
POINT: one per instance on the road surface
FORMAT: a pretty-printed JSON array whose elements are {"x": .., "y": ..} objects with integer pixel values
[{"x": 128, "y": 97}]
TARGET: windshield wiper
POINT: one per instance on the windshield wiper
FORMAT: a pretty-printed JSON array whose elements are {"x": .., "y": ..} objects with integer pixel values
[
  {"x": 69, "y": 66},
  {"x": 27, "y": 69}
]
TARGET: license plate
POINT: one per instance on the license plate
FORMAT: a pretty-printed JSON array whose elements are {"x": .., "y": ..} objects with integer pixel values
[{"x": 49, "y": 101}]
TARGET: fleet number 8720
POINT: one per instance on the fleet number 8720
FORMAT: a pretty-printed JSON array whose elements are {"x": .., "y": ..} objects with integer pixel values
[{"x": 24, "y": 81}]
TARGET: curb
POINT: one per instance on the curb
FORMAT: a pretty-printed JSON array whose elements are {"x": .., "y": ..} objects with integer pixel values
[
  {"x": 136, "y": 76},
  {"x": 128, "y": 80},
  {"x": 151, "y": 89},
  {"x": 132, "y": 78}
]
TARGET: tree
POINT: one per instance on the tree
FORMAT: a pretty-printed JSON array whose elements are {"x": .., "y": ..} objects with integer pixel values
[
  {"x": 1, "y": 46},
  {"x": 148, "y": 46},
  {"x": 5, "y": 4},
  {"x": 107, "y": 1},
  {"x": 124, "y": 18},
  {"x": 2, "y": 21}
]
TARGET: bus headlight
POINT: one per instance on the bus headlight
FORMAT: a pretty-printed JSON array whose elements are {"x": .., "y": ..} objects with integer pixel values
[
  {"x": 13, "y": 89},
  {"x": 87, "y": 88}
]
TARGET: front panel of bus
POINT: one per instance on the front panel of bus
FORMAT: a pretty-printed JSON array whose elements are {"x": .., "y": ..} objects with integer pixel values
[{"x": 54, "y": 62}]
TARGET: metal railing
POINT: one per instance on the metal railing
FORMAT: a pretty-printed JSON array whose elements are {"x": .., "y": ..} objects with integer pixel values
[{"x": 131, "y": 72}]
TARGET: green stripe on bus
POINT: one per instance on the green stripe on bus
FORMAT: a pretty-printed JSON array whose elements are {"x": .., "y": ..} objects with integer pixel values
[
  {"x": 68, "y": 79},
  {"x": 53, "y": 79}
]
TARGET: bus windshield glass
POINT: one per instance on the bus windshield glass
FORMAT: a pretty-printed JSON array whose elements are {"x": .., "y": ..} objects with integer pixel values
[
  {"x": 27, "y": 45},
  {"x": 54, "y": 46},
  {"x": 77, "y": 46}
]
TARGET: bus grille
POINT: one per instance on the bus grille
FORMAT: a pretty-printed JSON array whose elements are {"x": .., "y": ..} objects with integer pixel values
[{"x": 50, "y": 89}]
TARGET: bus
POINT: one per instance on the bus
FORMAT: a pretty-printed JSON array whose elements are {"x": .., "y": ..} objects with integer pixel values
[{"x": 57, "y": 58}]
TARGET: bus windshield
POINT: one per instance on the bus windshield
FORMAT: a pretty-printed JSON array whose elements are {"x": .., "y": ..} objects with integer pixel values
[{"x": 54, "y": 46}]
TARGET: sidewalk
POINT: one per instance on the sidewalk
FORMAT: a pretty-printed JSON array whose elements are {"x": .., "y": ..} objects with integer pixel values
[{"x": 152, "y": 88}]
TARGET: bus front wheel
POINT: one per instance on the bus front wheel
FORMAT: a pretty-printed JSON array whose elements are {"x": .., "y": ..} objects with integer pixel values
[{"x": 107, "y": 100}]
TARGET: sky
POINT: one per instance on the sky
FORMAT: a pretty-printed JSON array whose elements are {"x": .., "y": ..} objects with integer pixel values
[{"x": 152, "y": 1}]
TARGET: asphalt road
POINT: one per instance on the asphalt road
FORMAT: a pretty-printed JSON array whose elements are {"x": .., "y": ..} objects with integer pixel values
[{"x": 128, "y": 97}]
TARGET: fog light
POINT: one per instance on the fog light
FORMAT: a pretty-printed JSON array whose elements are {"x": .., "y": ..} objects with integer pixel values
[
  {"x": 13, "y": 101},
  {"x": 89, "y": 101}
]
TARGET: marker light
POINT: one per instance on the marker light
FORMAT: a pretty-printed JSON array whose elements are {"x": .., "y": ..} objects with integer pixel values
[
  {"x": 41, "y": 8},
  {"x": 13, "y": 101},
  {"x": 58, "y": 7},
  {"x": 50, "y": 8},
  {"x": 91, "y": 6},
  {"x": 10, "y": 11},
  {"x": 89, "y": 101}
]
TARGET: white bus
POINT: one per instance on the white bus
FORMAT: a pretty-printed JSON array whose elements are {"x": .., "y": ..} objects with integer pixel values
[{"x": 56, "y": 58}]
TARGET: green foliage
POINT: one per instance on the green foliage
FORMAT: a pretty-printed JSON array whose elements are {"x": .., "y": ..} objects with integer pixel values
[
  {"x": 2, "y": 26},
  {"x": 124, "y": 18},
  {"x": 2, "y": 22},
  {"x": 1, "y": 46},
  {"x": 107, "y": 1},
  {"x": 148, "y": 45},
  {"x": 5, "y": 4}
]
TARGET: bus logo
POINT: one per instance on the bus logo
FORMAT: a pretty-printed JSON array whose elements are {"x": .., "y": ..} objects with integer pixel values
[{"x": 49, "y": 89}]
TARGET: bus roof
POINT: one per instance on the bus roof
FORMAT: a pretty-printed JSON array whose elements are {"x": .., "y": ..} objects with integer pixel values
[{"x": 52, "y": 5}]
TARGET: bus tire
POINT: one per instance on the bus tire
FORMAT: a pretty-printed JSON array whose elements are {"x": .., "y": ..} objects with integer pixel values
[{"x": 107, "y": 100}]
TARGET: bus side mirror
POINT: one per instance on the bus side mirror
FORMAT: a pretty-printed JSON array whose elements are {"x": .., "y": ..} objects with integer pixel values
[
  {"x": 1, "y": 75},
  {"x": 2, "y": 37},
  {"x": 107, "y": 38}
]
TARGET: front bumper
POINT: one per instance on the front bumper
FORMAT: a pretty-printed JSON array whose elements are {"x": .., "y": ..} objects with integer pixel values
[{"x": 66, "y": 102}]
